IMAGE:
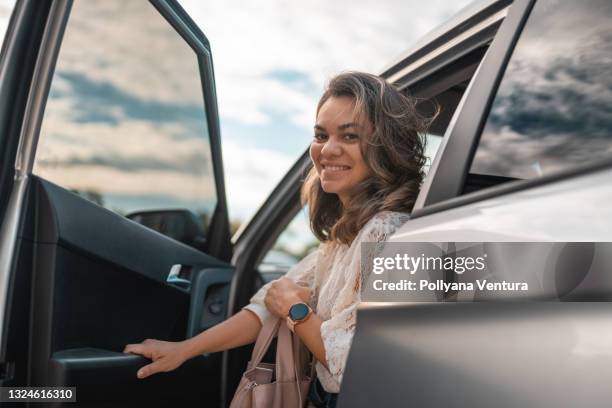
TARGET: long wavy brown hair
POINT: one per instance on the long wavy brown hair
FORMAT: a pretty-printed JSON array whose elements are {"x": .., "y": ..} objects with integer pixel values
[{"x": 394, "y": 153}]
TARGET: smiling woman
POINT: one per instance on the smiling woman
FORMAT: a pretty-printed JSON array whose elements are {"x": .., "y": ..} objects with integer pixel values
[{"x": 368, "y": 155}]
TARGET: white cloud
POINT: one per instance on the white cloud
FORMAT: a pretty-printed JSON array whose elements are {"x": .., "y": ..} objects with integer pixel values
[
  {"x": 250, "y": 175},
  {"x": 128, "y": 45},
  {"x": 125, "y": 115},
  {"x": 317, "y": 38},
  {"x": 6, "y": 7},
  {"x": 137, "y": 157}
]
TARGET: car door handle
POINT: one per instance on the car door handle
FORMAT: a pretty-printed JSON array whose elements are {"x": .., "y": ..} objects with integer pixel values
[{"x": 174, "y": 276}]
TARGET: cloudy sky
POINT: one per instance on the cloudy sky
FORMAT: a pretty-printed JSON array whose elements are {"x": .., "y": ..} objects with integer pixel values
[
  {"x": 552, "y": 109},
  {"x": 272, "y": 60},
  {"x": 123, "y": 122}
]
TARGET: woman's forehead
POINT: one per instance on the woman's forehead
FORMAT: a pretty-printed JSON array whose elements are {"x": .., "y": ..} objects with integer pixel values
[{"x": 339, "y": 112}]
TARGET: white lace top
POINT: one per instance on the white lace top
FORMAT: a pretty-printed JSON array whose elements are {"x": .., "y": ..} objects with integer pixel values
[{"x": 333, "y": 272}]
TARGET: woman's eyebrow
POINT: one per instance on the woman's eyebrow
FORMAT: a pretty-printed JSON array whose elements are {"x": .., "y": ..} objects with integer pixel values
[
  {"x": 340, "y": 127},
  {"x": 348, "y": 125}
]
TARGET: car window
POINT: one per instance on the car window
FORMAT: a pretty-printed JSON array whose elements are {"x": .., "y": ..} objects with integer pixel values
[
  {"x": 552, "y": 108},
  {"x": 439, "y": 95},
  {"x": 294, "y": 243},
  {"x": 432, "y": 144},
  {"x": 125, "y": 124}
]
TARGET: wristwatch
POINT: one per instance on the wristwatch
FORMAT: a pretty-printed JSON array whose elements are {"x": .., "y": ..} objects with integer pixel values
[{"x": 298, "y": 313}]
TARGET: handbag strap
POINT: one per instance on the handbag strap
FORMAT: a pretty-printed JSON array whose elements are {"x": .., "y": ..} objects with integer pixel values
[
  {"x": 289, "y": 364},
  {"x": 285, "y": 363},
  {"x": 267, "y": 332},
  {"x": 302, "y": 358}
]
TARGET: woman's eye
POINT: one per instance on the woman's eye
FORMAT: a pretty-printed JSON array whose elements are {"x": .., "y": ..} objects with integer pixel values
[
  {"x": 351, "y": 136},
  {"x": 320, "y": 136}
]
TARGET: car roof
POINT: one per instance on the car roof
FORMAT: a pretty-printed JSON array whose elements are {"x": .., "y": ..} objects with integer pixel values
[{"x": 467, "y": 18}]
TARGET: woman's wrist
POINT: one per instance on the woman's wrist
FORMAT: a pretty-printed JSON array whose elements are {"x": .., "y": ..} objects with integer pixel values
[{"x": 190, "y": 348}]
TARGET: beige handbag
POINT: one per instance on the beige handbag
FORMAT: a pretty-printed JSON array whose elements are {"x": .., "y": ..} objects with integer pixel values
[{"x": 290, "y": 388}]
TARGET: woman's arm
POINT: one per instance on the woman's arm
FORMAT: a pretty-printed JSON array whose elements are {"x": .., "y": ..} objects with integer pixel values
[
  {"x": 238, "y": 330},
  {"x": 310, "y": 333},
  {"x": 281, "y": 295}
]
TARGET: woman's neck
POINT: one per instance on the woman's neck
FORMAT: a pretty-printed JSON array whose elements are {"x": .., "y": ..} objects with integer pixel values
[{"x": 345, "y": 200}]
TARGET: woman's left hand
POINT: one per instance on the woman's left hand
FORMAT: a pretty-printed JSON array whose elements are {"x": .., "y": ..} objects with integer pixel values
[{"x": 284, "y": 293}]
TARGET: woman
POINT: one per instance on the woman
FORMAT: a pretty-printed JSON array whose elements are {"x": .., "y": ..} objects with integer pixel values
[{"x": 368, "y": 158}]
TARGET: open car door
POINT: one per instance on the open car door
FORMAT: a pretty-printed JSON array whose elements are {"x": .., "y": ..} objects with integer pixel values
[{"x": 114, "y": 219}]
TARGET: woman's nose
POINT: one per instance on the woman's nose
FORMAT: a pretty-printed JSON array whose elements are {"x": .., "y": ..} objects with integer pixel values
[{"x": 331, "y": 148}]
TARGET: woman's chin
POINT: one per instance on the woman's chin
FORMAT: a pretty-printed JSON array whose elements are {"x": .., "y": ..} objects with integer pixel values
[{"x": 329, "y": 188}]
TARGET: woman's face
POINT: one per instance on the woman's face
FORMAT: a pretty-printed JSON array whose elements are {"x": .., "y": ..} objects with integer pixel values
[{"x": 336, "y": 148}]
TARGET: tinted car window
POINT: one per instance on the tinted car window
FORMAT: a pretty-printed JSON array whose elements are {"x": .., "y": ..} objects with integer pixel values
[
  {"x": 125, "y": 124},
  {"x": 552, "y": 109},
  {"x": 438, "y": 96},
  {"x": 432, "y": 145}
]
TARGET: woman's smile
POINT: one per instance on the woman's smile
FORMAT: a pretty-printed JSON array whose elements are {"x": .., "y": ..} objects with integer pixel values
[{"x": 334, "y": 168}]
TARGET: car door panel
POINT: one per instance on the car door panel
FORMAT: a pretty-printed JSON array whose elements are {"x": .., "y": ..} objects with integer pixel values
[
  {"x": 506, "y": 354},
  {"x": 99, "y": 284},
  {"x": 72, "y": 221},
  {"x": 107, "y": 378},
  {"x": 209, "y": 296}
]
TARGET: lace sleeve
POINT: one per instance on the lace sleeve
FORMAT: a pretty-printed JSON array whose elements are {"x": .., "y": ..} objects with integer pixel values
[
  {"x": 337, "y": 332},
  {"x": 378, "y": 230},
  {"x": 302, "y": 273}
]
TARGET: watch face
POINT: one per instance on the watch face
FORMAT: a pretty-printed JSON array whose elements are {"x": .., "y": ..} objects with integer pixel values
[{"x": 298, "y": 311}]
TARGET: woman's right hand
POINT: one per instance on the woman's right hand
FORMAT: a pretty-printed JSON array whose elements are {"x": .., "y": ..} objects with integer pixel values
[{"x": 166, "y": 356}]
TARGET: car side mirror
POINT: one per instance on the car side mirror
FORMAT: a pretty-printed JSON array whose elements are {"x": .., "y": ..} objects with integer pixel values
[{"x": 181, "y": 225}]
